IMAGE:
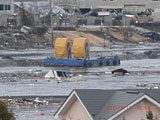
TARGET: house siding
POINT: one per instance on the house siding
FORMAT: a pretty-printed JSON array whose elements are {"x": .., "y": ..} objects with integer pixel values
[
  {"x": 137, "y": 114},
  {"x": 76, "y": 112}
]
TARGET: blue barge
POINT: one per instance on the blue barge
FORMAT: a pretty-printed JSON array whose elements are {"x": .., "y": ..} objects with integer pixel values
[{"x": 82, "y": 63}]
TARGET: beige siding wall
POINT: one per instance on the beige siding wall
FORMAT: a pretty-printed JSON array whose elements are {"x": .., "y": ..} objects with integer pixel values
[
  {"x": 76, "y": 112},
  {"x": 135, "y": 114}
]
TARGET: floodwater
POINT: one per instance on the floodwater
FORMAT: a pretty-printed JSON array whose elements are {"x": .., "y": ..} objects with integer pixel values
[
  {"x": 23, "y": 87},
  {"x": 35, "y": 113},
  {"x": 42, "y": 87}
]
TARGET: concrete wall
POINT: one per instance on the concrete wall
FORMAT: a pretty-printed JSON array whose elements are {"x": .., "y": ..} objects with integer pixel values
[
  {"x": 90, "y": 20},
  {"x": 108, "y": 20},
  {"x": 3, "y": 20},
  {"x": 135, "y": 114},
  {"x": 157, "y": 15},
  {"x": 76, "y": 112}
]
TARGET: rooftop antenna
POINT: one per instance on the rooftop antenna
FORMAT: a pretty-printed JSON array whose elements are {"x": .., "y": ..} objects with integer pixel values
[{"x": 51, "y": 23}]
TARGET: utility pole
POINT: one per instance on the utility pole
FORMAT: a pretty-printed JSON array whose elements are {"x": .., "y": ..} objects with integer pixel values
[
  {"x": 51, "y": 23},
  {"x": 105, "y": 36}
]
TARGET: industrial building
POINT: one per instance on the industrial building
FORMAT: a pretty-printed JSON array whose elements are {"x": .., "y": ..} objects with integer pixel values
[{"x": 125, "y": 5}]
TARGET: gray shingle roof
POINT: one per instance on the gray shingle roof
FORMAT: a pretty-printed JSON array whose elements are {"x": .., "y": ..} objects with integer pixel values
[
  {"x": 96, "y": 101},
  {"x": 118, "y": 99},
  {"x": 153, "y": 93}
]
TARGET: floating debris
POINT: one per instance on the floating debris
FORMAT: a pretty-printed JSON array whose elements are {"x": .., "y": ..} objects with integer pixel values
[
  {"x": 119, "y": 72},
  {"x": 149, "y": 85}
]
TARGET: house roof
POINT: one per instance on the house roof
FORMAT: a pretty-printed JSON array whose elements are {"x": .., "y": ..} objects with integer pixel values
[
  {"x": 96, "y": 101},
  {"x": 119, "y": 98},
  {"x": 153, "y": 93}
]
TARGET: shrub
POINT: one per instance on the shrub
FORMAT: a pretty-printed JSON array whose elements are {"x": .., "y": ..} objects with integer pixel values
[
  {"x": 149, "y": 115},
  {"x": 41, "y": 30},
  {"x": 4, "y": 113}
]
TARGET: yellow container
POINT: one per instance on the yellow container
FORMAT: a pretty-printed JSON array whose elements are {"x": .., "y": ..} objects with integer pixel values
[
  {"x": 81, "y": 48},
  {"x": 62, "y": 48}
]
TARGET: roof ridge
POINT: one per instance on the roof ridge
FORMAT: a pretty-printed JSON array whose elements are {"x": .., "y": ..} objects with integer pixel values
[
  {"x": 114, "y": 93},
  {"x": 151, "y": 97},
  {"x": 131, "y": 101}
]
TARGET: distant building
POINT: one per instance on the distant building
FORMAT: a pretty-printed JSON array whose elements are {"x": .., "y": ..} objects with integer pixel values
[
  {"x": 29, "y": 0},
  {"x": 125, "y": 5},
  {"x": 6, "y": 10},
  {"x": 67, "y": 4},
  {"x": 94, "y": 104}
]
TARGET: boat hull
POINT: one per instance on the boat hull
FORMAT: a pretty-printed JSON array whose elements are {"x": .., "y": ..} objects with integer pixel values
[{"x": 81, "y": 63}]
